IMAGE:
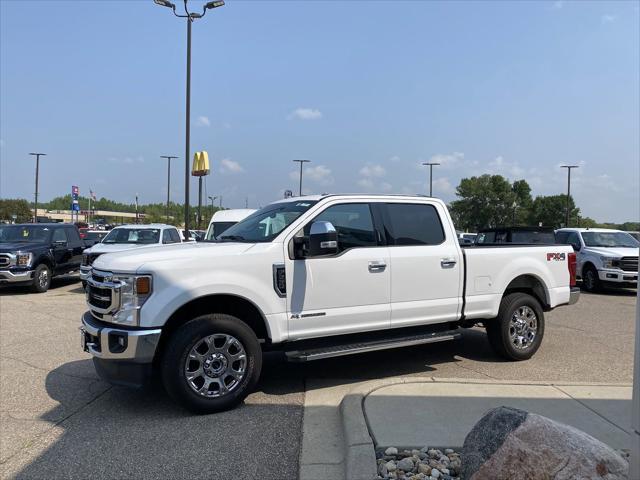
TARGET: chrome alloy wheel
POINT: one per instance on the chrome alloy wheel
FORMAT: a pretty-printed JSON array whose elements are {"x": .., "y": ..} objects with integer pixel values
[
  {"x": 43, "y": 278},
  {"x": 216, "y": 365},
  {"x": 523, "y": 327}
]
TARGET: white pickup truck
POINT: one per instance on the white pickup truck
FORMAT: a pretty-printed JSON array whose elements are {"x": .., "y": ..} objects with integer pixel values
[{"x": 315, "y": 277}]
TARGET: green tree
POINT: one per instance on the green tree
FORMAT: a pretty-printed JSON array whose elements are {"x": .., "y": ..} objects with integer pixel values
[
  {"x": 550, "y": 211},
  {"x": 18, "y": 207},
  {"x": 490, "y": 201}
]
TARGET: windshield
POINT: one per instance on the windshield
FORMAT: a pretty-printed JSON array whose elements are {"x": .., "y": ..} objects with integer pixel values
[
  {"x": 216, "y": 228},
  {"x": 24, "y": 233},
  {"x": 265, "y": 224},
  {"x": 609, "y": 239},
  {"x": 133, "y": 235}
]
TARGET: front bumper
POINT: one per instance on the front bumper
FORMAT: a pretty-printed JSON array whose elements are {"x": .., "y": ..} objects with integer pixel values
[
  {"x": 7, "y": 276},
  {"x": 85, "y": 272},
  {"x": 615, "y": 275},
  {"x": 574, "y": 295},
  {"x": 121, "y": 355}
]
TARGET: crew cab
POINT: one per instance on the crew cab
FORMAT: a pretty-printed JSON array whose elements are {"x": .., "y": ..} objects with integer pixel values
[
  {"x": 126, "y": 237},
  {"x": 31, "y": 254},
  {"x": 315, "y": 277},
  {"x": 605, "y": 257}
]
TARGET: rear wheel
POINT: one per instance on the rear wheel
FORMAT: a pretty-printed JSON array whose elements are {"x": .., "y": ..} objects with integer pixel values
[
  {"x": 590, "y": 280},
  {"x": 41, "y": 279},
  {"x": 516, "y": 333},
  {"x": 212, "y": 363}
]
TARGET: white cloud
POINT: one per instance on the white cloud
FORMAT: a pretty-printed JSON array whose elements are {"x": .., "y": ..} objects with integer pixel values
[
  {"x": 305, "y": 114},
  {"x": 203, "y": 121},
  {"x": 370, "y": 170},
  {"x": 506, "y": 167},
  {"x": 608, "y": 18},
  {"x": 318, "y": 174},
  {"x": 394, "y": 159},
  {"x": 441, "y": 186},
  {"x": 365, "y": 183},
  {"x": 229, "y": 166}
]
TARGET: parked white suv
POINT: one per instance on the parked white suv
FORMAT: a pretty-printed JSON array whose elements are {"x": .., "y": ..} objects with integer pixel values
[
  {"x": 126, "y": 237},
  {"x": 315, "y": 277},
  {"x": 605, "y": 257}
]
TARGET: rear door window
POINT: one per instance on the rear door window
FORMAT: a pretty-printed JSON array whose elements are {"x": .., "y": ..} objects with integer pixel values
[{"x": 413, "y": 224}]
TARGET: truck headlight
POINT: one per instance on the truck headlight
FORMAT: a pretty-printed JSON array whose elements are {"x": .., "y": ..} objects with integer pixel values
[
  {"x": 24, "y": 259},
  {"x": 134, "y": 291},
  {"x": 610, "y": 262}
]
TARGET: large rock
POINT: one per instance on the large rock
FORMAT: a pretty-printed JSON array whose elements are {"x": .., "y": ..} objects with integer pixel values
[{"x": 511, "y": 444}]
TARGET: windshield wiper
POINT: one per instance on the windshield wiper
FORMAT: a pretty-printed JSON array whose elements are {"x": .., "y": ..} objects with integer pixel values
[{"x": 233, "y": 238}]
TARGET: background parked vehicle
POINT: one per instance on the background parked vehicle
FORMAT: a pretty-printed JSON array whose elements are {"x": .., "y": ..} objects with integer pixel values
[
  {"x": 91, "y": 237},
  {"x": 315, "y": 277},
  {"x": 223, "y": 219},
  {"x": 32, "y": 254},
  {"x": 541, "y": 235},
  {"x": 127, "y": 237},
  {"x": 605, "y": 257}
]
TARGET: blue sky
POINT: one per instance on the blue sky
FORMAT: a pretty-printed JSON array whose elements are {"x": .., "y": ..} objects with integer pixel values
[{"x": 366, "y": 90}]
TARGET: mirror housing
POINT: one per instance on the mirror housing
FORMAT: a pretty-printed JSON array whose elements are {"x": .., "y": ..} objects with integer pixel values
[
  {"x": 323, "y": 239},
  {"x": 60, "y": 243}
]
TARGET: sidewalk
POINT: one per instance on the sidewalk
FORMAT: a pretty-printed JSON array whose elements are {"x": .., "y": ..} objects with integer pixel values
[{"x": 344, "y": 424}]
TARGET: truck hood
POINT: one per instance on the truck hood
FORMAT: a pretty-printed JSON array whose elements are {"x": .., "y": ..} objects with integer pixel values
[
  {"x": 143, "y": 259},
  {"x": 613, "y": 251},
  {"x": 22, "y": 246}
]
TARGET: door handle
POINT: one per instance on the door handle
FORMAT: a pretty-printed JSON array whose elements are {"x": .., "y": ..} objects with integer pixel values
[
  {"x": 448, "y": 263},
  {"x": 377, "y": 266}
]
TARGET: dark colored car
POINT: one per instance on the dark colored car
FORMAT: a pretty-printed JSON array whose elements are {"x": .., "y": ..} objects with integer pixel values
[
  {"x": 91, "y": 237},
  {"x": 32, "y": 254},
  {"x": 522, "y": 235}
]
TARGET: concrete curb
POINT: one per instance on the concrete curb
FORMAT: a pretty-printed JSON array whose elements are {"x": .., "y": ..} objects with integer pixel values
[{"x": 360, "y": 455}]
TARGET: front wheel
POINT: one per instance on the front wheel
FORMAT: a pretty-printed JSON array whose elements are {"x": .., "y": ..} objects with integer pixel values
[
  {"x": 590, "y": 280},
  {"x": 212, "y": 363},
  {"x": 41, "y": 279},
  {"x": 516, "y": 333}
]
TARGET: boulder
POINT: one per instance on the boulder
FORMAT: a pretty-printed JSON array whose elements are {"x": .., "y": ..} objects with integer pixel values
[{"x": 511, "y": 444}]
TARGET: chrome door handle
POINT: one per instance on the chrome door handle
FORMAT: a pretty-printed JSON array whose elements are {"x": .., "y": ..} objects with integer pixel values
[
  {"x": 377, "y": 266},
  {"x": 448, "y": 263}
]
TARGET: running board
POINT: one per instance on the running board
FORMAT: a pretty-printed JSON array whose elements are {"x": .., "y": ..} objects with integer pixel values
[{"x": 371, "y": 346}]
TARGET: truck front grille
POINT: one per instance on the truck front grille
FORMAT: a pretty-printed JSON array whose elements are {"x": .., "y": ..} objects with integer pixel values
[
  {"x": 99, "y": 297},
  {"x": 103, "y": 296},
  {"x": 5, "y": 260},
  {"x": 629, "y": 264}
]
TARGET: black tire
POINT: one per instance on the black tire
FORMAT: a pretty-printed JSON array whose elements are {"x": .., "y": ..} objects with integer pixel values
[
  {"x": 190, "y": 339},
  {"x": 41, "y": 279},
  {"x": 590, "y": 280},
  {"x": 504, "y": 336}
]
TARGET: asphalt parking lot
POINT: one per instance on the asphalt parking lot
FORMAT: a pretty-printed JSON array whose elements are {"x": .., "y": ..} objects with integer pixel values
[{"x": 58, "y": 419}]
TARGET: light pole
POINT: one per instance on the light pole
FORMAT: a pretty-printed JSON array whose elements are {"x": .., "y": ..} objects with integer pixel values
[
  {"x": 190, "y": 18},
  {"x": 212, "y": 199},
  {"x": 169, "y": 158},
  {"x": 568, "y": 167},
  {"x": 431, "y": 164},
  {"x": 35, "y": 210},
  {"x": 301, "y": 162}
]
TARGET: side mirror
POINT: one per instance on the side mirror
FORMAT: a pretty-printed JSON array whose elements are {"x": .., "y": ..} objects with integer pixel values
[
  {"x": 323, "y": 239},
  {"x": 60, "y": 243}
]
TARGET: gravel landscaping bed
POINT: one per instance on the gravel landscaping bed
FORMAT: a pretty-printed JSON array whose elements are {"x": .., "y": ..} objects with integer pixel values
[{"x": 424, "y": 464}]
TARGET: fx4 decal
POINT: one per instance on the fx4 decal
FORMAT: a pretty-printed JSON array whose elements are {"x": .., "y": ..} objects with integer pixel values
[{"x": 558, "y": 257}]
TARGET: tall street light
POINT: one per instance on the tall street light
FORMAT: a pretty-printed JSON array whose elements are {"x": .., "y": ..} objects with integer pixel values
[
  {"x": 301, "y": 162},
  {"x": 568, "y": 167},
  {"x": 431, "y": 164},
  {"x": 35, "y": 210},
  {"x": 212, "y": 199},
  {"x": 169, "y": 158},
  {"x": 190, "y": 18}
]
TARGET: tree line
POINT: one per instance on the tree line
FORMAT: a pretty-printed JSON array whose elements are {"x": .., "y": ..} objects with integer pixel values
[{"x": 483, "y": 202}]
